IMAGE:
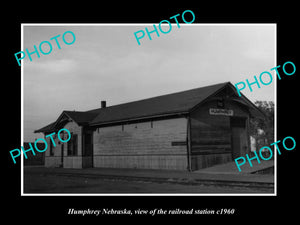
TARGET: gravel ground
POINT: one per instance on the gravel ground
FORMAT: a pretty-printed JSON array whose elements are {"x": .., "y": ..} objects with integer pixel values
[{"x": 58, "y": 183}]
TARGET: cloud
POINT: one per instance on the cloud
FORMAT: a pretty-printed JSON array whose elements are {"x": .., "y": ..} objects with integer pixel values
[
  {"x": 106, "y": 62},
  {"x": 52, "y": 66}
]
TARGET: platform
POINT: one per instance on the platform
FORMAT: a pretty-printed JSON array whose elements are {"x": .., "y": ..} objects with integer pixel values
[{"x": 231, "y": 168}]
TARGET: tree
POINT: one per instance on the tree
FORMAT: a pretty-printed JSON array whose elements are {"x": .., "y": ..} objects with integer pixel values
[{"x": 263, "y": 129}]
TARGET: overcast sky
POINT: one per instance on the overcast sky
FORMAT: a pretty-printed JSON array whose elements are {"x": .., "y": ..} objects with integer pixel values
[{"x": 106, "y": 63}]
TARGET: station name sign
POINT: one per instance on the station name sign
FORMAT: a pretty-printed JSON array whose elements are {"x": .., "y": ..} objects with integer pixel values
[{"x": 221, "y": 112}]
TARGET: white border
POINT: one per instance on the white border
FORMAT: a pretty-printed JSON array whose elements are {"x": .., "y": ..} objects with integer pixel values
[
  {"x": 148, "y": 194},
  {"x": 22, "y": 114},
  {"x": 275, "y": 116}
]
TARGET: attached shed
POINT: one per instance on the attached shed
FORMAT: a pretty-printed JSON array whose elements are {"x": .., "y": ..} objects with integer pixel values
[
  {"x": 190, "y": 130},
  {"x": 38, "y": 158}
]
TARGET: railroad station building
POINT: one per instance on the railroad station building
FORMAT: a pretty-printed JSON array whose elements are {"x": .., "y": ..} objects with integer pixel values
[{"x": 187, "y": 130}]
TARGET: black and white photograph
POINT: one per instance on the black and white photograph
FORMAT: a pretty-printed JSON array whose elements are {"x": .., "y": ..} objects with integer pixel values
[
  {"x": 149, "y": 111},
  {"x": 160, "y": 117}
]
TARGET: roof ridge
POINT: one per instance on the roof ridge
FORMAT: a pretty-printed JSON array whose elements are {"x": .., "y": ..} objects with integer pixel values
[
  {"x": 157, "y": 106},
  {"x": 193, "y": 89},
  {"x": 176, "y": 102},
  {"x": 73, "y": 111}
]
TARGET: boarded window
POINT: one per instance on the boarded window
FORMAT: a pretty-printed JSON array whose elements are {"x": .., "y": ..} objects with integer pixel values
[
  {"x": 51, "y": 148},
  {"x": 72, "y": 145}
]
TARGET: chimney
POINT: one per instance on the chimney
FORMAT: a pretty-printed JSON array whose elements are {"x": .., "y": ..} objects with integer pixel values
[{"x": 103, "y": 104}]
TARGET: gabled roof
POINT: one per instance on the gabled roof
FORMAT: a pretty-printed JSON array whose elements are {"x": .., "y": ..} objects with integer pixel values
[
  {"x": 81, "y": 118},
  {"x": 160, "y": 106},
  {"x": 180, "y": 102},
  {"x": 46, "y": 129}
]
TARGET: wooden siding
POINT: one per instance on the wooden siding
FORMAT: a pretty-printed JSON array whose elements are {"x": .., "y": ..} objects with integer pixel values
[
  {"x": 142, "y": 145},
  {"x": 172, "y": 162},
  {"x": 203, "y": 161},
  {"x": 211, "y": 134}
]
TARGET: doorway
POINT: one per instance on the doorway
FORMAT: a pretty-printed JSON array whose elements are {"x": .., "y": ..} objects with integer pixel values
[
  {"x": 87, "y": 154},
  {"x": 62, "y": 155},
  {"x": 239, "y": 137}
]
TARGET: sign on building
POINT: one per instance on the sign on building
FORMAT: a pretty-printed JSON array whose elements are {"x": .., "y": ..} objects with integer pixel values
[{"x": 223, "y": 112}]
